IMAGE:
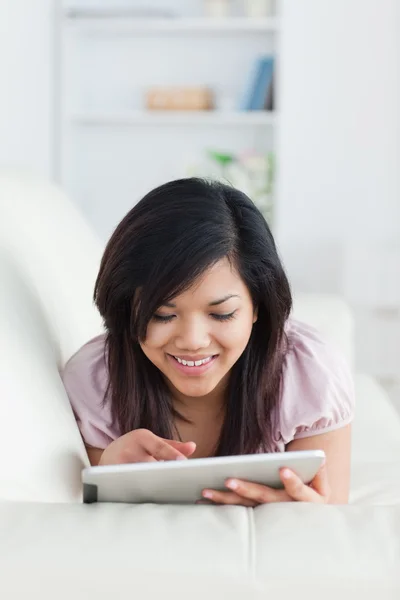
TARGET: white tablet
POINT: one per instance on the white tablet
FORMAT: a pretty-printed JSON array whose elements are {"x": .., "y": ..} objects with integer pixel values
[{"x": 183, "y": 481}]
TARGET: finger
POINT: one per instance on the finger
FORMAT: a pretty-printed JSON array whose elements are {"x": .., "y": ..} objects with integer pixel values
[
  {"x": 320, "y": 482},
  {"x": 186, "y": 448},
  {"x": 160, "y": 449},
  {"x": 138, "y": 455},
  {"x": 228, "y": 498},
  {"x": 261, "y": 494},
  {"x": 297, "y": 490}
]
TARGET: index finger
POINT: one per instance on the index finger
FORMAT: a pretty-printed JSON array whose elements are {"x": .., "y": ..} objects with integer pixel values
[{"x": 161, "y": 450}]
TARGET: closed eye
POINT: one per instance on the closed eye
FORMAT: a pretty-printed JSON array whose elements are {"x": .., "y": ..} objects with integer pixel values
[
  {"x": 217, "y": 317},
  {"x": 163, "y": 319},
  {"x": 226, "y": 317}
]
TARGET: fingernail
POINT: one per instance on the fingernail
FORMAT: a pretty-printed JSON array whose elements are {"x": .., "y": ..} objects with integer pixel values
[
  {"x": 286, "y": 474},
  {"x": 180, "y": 457},
  {"x": 232, "y": 484},
  {"x": 207, "y": 494}
]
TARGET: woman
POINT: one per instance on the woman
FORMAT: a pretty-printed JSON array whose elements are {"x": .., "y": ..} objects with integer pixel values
[{"x": 200, "y": 357}]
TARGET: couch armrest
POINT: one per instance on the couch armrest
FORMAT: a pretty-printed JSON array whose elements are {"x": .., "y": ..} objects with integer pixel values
[{"x": 42, "y": 449}]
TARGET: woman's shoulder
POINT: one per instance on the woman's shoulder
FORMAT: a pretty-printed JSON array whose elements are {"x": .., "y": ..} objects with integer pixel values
[
  {"x": 89, "y": 365},
  {"x": 317, "y": 393},
  {"x": 85, "y": 378}
]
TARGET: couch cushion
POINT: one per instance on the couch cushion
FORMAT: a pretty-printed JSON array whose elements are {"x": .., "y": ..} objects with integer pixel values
[
  {"x": 151, "y": 552},
  {"x": 376, "y": 427}
]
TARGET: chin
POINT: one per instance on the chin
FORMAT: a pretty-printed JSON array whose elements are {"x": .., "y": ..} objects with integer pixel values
[{"x": 195, "y": 389}]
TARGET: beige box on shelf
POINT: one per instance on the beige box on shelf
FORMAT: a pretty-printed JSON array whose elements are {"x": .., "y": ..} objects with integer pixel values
[{"x": 179, "y": 98}]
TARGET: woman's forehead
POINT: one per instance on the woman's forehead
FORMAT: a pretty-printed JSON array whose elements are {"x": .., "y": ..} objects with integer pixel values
[{"x": 219, "y": 281}]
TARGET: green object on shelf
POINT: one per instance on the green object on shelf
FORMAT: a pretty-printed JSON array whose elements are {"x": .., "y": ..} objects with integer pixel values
[
  {"x": 252, "y": 172},
  {"x": 222, "y": 158}
]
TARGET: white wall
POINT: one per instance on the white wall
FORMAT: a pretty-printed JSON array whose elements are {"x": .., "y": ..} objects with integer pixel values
[
  {"x": 26, "y": 84},
  {"x": 338, "y": 207},
  {"x": 339, "y": 136}
]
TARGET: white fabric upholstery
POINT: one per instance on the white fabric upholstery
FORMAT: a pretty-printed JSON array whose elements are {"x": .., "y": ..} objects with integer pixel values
[
  {"x": 330, "y": 315},
  {"x": 49, "y": 258},
  {"x": 57, "y": 254},
  {"x": 180, "y": 553},
  {"x": 51, "y": 546}
]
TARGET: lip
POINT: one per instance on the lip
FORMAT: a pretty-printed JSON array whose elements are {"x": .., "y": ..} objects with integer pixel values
[
  {"x": 192, "y": 371},
  {"x": 193, "y": 358}
]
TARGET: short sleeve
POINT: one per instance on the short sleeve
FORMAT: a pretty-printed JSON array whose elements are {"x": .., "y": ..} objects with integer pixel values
[
  {"x": 317, "y": 391},
  {"x": 85, "y": 380}
]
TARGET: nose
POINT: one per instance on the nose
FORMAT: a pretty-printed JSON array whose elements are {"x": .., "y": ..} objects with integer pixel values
[{"x": 192, "y": 336}]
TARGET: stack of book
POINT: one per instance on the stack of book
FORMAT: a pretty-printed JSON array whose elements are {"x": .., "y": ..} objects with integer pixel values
[{"x": 259, "y": 93}]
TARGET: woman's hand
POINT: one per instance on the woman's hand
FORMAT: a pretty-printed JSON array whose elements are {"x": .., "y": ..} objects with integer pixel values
[
  {"x": 245, "y": 493},
  {"x": 141, "y": 445}
]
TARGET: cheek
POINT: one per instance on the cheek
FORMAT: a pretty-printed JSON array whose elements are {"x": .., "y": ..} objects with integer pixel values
[
  {"x": 235, "y": 335},
  {"x": 157, "y": 335}
]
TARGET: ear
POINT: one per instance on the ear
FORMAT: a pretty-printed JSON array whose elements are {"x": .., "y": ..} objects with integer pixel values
[{"x": 255, "y": 315}]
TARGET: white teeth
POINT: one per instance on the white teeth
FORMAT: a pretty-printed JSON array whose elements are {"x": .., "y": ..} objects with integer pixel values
[{"x": 191, "y": 363}]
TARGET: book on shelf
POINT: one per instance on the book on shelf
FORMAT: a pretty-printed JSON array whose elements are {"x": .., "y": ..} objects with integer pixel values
[{"x": 259, "y": 92}]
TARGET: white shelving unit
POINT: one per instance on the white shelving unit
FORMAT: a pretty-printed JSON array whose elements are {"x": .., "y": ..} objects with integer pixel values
[
  {"x": 111, "y": 149},
  {"x": 181, "y": 25},
  {"x": 158, "y": 118}
]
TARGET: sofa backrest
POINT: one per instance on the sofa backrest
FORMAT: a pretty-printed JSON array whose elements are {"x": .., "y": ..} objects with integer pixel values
[{"x": 331, "y": 316}]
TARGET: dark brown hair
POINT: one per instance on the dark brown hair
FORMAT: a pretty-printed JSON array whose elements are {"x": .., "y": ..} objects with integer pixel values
[{"x": 159, "y": 249}]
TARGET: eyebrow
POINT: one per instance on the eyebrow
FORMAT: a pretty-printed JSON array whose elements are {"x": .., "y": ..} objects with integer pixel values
[{"x": 213, "y": 303}]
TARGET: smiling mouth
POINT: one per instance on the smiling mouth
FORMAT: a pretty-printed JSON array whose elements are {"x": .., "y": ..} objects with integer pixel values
[{"x": 194, "y": 363}]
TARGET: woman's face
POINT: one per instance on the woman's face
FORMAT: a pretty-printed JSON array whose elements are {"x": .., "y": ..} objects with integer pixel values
[{"x": 197, "y": 338}]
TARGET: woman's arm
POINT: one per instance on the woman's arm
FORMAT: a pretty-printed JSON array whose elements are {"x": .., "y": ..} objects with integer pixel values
[
  {"x": 330, "y": 485},
  {"x": 337, "y": 447},
  {"x": 94, "y": 455}
]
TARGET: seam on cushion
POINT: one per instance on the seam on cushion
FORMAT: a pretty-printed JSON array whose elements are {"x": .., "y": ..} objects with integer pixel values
[{"x": 251, "y": 543}]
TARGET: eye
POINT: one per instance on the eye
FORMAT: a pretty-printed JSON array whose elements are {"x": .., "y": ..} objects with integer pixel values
[
  {"x": 163, "y": 319},
  {"x": 226, "y": 317}
]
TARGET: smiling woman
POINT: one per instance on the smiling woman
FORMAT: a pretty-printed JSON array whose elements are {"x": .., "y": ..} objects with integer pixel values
[
  {"x": 200, "y": 357},
  {"x": 203, "y": 325}
]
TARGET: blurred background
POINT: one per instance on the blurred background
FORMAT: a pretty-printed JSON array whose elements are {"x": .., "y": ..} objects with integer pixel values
[{"x": 294, "y": 101}]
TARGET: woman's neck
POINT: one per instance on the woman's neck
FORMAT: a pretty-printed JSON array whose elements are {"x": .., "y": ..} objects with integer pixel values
[
  {"x": 201, "y": 408},
  {"x": 200, "y": 420}
]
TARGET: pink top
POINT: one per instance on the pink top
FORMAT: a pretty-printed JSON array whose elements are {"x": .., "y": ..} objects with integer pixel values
[{"x": 316, "y": 395}]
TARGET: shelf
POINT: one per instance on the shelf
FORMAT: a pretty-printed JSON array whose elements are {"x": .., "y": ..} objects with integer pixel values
[
  {"x": 129, "y": 24},
  {"x": 137, "y": 118}
]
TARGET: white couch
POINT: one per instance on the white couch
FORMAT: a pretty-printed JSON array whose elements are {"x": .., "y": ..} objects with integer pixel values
[{"x": 52, "y": 546}]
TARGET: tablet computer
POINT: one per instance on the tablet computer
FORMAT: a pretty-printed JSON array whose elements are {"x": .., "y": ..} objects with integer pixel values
[{"x": 183, "y": 481}]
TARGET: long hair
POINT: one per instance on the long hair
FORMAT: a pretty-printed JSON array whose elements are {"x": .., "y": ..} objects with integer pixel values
[{"x": 170, "y": 238}]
